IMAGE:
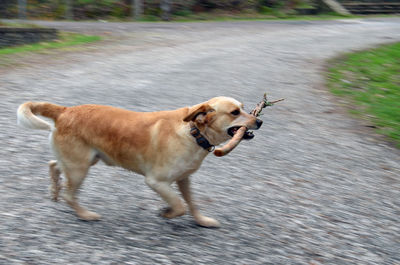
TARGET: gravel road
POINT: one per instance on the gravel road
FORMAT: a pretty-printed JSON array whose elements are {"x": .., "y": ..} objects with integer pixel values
[{"x": 313, "y": 187}]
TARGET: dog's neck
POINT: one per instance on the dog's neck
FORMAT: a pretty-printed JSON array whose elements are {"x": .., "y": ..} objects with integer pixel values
[{"x": 200, "y": 139}]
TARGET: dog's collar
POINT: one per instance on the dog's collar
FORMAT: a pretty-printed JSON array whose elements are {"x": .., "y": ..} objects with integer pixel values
[{"x": 200, "y": 139}]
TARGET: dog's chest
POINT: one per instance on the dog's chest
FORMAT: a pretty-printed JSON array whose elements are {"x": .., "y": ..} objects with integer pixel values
[{"x": 185, "y": 165}]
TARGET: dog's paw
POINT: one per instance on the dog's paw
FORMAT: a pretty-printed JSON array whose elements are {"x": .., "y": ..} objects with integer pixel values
[
  {"x": 172, "y": 213},
  {"x": 207, "y": 222},
  {"x": 88, "y": 216}
]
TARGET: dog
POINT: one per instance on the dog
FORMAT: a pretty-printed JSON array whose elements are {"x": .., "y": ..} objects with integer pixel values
[{"x": 163, "y": 146}]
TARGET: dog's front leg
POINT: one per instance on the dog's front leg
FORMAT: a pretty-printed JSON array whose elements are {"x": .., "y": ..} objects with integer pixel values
[
  {"x": 177, "y": 208},
  {"x": 184, "y": 187}
]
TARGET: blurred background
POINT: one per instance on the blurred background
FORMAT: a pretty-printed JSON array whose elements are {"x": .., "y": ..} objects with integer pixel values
[
  {"x": 153, "y": 10},
  {"x": 145, "y": 9}
]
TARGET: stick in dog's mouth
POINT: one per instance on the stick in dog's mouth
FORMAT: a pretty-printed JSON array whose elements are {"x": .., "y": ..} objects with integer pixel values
[{"x": 247, "y": 134}]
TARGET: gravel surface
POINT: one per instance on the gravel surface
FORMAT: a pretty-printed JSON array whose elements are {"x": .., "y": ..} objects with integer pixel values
[{"x": 313, "y": 187}]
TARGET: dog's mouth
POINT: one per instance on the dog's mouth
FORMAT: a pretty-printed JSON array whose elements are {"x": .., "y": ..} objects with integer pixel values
[{"x": 247, "y": 135}]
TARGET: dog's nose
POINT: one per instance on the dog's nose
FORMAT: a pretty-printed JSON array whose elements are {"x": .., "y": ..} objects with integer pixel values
[{"x": 259, "y": 123}]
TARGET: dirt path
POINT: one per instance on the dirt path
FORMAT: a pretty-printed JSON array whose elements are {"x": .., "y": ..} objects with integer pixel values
[{"x": 313, "y": 187}]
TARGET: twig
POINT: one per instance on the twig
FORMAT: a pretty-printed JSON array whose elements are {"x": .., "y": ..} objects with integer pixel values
[{"x": 264, "y": 103}]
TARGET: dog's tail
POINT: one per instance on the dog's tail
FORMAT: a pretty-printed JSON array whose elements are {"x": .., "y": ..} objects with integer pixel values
[{"x": 26, "y": 114}]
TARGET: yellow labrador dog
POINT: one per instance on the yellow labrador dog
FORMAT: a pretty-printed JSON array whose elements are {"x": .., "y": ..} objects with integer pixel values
[{"x": 165, "y": 146}]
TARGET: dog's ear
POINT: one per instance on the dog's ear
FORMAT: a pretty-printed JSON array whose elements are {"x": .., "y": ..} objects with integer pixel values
[{"x": 194, "y": 112}]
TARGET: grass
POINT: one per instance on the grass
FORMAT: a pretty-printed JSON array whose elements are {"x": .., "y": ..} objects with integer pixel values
[
  {"x": 222, "y": 16},
  {"x": 65, "y": 40},
  {"x": 370, "y": 80},
  {"x": 251, "y": 16},
  {"x": 195, "y": 17},
  {"x": 18, "y": 25}
]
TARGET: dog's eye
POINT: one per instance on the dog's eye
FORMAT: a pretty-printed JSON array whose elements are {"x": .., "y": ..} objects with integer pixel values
[{"x": 235, "y": 112}]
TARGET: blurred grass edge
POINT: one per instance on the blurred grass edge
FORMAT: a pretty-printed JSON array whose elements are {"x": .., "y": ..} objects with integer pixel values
[
  {"x": 369, "y": 82},
  {"x": 66, "y": 39}
]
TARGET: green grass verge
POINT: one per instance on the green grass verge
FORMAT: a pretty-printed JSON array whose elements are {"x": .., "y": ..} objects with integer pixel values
[
  {"x": 370, "y": 80},
  {"x": 65, "y": 40},
  {"x": 18, "y": 25},
  {"x": 251, "y": 16},
  {"x": 199, "y": 17},
  {"x": 195, "y": 18}
]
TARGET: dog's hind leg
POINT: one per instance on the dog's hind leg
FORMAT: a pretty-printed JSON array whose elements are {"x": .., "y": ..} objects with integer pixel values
[
  {"x": 184, "y": 187},
  {"x": 54, "y": 173},
  {"x": 74, "y": 160},
  {"x": 75, "y": 176}
]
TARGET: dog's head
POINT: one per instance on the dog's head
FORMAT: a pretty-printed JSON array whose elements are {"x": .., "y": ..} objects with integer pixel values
[{"x": 219, "y": 119}]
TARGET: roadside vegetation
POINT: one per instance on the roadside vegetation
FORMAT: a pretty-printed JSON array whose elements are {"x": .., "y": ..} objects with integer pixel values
[
  {"x": 156, "y": 10},
  {"x": 65, "y": 40},
  {"x": 218, "y": 16},
  {"x": 370, "y": 81},
  {"x": 17, "y": 25}
]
